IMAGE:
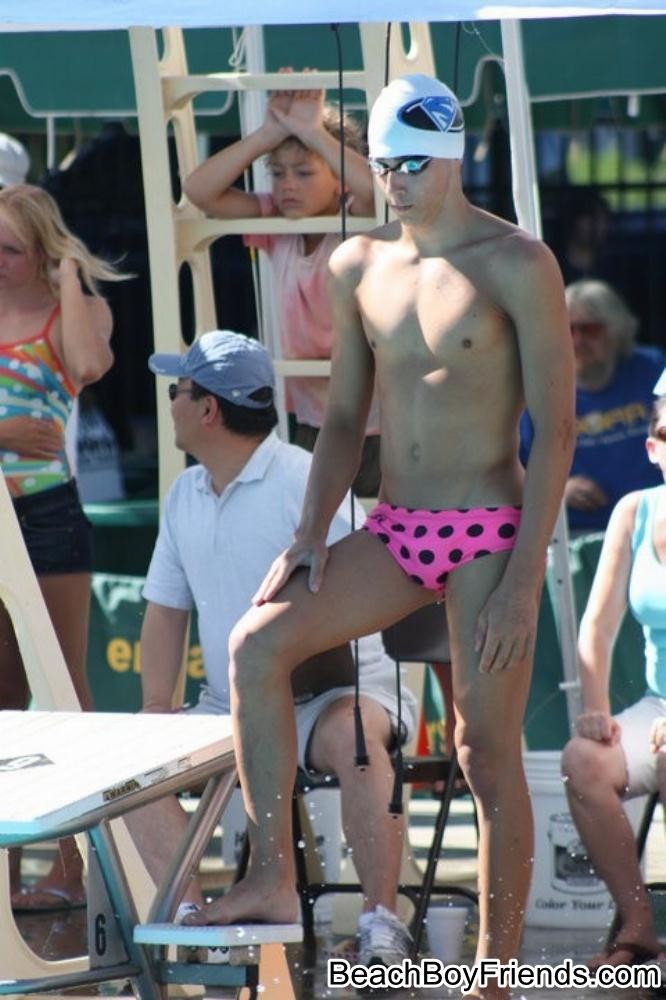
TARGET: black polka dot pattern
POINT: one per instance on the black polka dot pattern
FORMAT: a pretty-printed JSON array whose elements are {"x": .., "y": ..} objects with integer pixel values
[{"x": 452, "y": 538}]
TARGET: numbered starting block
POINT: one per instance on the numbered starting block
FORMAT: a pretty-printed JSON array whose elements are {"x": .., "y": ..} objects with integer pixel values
[
  {"x": 65, "y": 773},
  {"x": 240, "y": 955}
]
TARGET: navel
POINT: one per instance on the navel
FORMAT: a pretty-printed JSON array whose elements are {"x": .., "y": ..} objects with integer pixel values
[
  {"x": 467, "y": 342},
  {"x": 416, "y": 452}
]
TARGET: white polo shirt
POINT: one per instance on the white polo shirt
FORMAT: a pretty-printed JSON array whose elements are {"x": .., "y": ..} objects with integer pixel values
[{"x": 213, "y": 551}]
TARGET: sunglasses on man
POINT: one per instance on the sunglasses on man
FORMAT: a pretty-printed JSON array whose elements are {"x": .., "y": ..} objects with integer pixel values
[{"x": 176, "y": 390}]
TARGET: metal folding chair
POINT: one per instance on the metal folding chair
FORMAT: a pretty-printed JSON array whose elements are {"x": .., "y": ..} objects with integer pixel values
[
  {"x": 641, "y": 840},
  {"x": 421, "y": 637}
]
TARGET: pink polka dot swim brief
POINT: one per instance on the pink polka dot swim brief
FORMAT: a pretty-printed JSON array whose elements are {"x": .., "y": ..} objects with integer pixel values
[{"x": 429, "y": 544}]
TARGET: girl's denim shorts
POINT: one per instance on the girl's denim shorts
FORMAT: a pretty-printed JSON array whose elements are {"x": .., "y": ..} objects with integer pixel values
[{"x": 57, "y": 534}]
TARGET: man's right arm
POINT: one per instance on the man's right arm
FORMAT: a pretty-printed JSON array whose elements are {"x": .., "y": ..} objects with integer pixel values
[
  {"x": 162, "y": 644},
  {"x": 337, "y": 453}
]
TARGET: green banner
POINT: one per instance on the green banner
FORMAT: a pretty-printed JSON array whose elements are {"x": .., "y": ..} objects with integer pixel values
[{"x": 114, "y": 648}]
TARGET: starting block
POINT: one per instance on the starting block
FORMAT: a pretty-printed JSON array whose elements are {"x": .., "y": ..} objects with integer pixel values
[
  {"x": 254, "y": 958},
  {"x": 231, "y": 936},
  {"x": 66, "y": 773}
]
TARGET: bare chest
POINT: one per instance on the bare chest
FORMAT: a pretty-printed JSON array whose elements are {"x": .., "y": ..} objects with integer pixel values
[{"x": 431, "y": 311}]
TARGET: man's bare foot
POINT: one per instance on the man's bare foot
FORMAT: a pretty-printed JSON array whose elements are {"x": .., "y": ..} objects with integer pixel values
[{"x": 250, "y": 902}]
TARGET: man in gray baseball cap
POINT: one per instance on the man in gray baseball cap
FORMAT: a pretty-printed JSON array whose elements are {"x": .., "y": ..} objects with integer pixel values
[
  {"x": 223, "y": 523},
  {"x": 228, "y": 364}
]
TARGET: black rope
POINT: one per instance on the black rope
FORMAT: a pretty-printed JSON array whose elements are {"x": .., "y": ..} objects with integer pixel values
[
  {"x": 335, "y": 28},
  {"x": 395, "y": 805},
  {"x": 387, "y": 68},
  {"x": 361, "y": 758},
  {"x": 387, "y": 54},
  {"x": 456, "y": 57}
]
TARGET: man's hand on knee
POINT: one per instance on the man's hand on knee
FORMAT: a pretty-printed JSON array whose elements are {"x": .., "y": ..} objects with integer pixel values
[
  {"x": 506, "y": 631},
  {"x": 310, "y": 553}
]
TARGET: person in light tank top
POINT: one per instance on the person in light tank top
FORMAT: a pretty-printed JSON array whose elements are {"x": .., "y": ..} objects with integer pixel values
[{"x": 618, "y": 757}]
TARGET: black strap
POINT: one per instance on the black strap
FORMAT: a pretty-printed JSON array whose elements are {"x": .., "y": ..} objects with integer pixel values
[{"x": 361, "y": 758}]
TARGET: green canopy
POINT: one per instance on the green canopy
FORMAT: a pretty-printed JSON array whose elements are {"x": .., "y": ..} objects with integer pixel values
[{"x": 89, "y": 75}]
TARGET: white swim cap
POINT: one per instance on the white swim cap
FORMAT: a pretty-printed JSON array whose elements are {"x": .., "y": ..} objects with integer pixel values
[{"x": 416, "y": 115}]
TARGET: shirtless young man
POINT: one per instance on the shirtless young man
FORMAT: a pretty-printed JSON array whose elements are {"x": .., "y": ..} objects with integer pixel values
[{"x": 459, "y": 317}]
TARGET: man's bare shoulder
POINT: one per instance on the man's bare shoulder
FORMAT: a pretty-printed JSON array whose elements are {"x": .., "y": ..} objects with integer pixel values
[
  {"x": 510, "y": 244},
  {"x": 352, "y": 258},
  {"x": 517, "y": 263}
]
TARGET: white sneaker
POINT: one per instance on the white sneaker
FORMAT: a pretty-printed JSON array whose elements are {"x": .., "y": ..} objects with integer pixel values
[{"x": 383, "y": 938}]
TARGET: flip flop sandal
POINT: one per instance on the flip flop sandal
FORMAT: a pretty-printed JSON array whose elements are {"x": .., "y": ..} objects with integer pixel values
[{"x": 25, "y": 901}]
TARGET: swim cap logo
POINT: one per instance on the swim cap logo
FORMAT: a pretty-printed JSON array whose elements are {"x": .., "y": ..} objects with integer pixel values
[{"x": 433, "y": 114}]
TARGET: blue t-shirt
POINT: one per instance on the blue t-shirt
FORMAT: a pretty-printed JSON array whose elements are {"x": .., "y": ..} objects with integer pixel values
[
  {"x": 647, "y": 587},
  {"x": 611, "y": 427}
]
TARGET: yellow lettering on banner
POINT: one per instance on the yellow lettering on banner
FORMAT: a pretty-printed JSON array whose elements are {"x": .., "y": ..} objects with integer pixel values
[
  {"x": 598, "y": 422},
  {"x": 195, "y": 667},
  {"x": 123, "y": 655},
  {"x": 119, "y": 655}
]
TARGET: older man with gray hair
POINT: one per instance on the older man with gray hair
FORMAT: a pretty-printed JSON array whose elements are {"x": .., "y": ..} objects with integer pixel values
[{"x": 614, "y": 385}]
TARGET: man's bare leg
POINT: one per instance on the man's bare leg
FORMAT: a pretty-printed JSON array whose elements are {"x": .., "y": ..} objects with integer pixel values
[
  {"x": 363, "y": 591},
  {"x": 168, "y": 817},
  {"x": 373, "y": 834},
  {"x": 489, "y": 715},
  {"x": 596, "y": 777}
]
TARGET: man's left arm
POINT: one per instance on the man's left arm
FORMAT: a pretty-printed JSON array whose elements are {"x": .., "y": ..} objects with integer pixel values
[{"x": 533, "y": 296}]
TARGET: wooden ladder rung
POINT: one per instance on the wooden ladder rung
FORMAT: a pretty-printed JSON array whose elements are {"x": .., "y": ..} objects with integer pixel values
[{"x": 181, "y": 88}]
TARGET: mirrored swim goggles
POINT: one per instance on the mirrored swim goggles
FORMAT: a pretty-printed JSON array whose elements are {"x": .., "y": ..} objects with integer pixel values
[{"x": 402, "y": 165}]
